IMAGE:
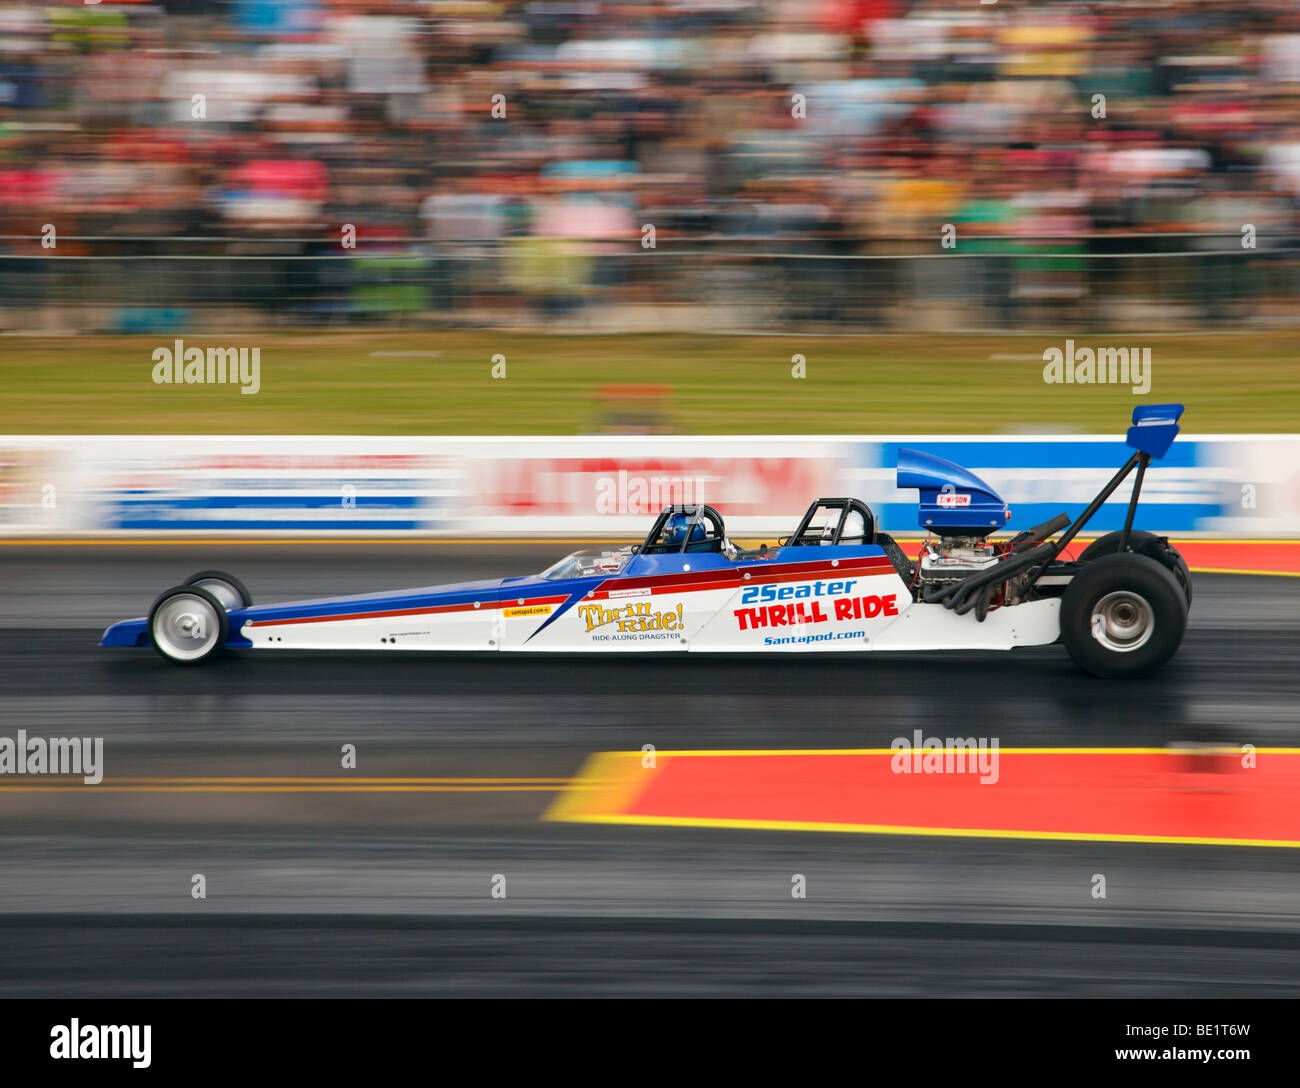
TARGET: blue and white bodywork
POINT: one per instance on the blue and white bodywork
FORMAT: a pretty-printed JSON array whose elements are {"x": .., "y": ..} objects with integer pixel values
[{"x": 836, "y": 584}]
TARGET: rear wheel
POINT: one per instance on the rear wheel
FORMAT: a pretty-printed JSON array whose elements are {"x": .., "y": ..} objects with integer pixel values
[
  {"x": 229, "y": 590},
  {"x": 1150, "y": 545},
  {"x": 1123, "y": 615},
  {"x": 187, "y": 625}
]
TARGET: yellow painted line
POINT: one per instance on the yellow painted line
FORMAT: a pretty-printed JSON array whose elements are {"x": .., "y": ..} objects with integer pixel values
[
  {"x": 1231, "y": 540},
  {"x": 119, "y": 541},
  {"x": 178, "y": 541},
  {"x": 257, "y": 542},
  {"x": 1173, "y": 749},
  {"x": 76, "y": 786},
  {"x": 1196, "y": 540},
  {"x": 612, "y": 777},
  {"x": 1264, "y": 573},
  {"x": 130, "y": 784},
  {"x": 349, "y": 780},
  {"x": 932, "y": 832}
]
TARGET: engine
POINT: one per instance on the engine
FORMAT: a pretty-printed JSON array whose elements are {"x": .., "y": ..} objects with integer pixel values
[
  {"x": 952, "y": 558},
  {"x": 961, "y": 510}
]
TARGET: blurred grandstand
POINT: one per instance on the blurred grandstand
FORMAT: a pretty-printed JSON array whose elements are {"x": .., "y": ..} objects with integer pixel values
[{"x": 200, "y": 163}]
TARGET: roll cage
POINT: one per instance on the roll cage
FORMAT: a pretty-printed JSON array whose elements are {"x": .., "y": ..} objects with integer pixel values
[
  {"x": 835, "y": 521},
  {"x": 703, "y": 517}
]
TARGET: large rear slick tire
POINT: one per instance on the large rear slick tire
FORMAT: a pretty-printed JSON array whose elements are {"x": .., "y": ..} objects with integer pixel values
[
  {"x": 1150, "y": 545},
  {"x": 1123, "y": 615}
]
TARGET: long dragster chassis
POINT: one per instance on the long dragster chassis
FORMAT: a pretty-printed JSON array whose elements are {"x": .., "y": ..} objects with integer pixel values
[{"x": 836, "y": 584}]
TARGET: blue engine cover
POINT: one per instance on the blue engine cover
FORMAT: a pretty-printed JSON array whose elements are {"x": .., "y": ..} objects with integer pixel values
[{"x": 954, "y": 502}]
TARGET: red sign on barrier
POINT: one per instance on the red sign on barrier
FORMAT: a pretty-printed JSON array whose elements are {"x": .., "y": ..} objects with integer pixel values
[{"x": 586, "y": 486}]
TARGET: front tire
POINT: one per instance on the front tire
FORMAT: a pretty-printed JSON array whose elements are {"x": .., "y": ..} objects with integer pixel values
[
  {"x": 188, "y": 625},
  {"x": 229, "y": 590},
  {"x": 1123, "y": 615}
]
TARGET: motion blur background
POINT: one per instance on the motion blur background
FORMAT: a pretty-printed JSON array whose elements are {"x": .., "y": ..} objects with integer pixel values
[
  {"x": 797, "y": 159},
  {"x": 189, "y": 171}
]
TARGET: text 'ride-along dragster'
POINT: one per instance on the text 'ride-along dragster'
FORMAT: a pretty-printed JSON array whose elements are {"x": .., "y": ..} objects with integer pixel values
[{"x": 836, "y": 584}]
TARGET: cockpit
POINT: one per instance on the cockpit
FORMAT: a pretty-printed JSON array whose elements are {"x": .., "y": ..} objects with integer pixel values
[
  {"x": 590, "y": 563},
  {"x": 686, "y": 530},
  {"x": 682, "y": 529}
]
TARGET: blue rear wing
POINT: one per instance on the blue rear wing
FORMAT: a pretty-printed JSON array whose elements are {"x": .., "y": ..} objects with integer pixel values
[{"x": 1155, "y": 426}]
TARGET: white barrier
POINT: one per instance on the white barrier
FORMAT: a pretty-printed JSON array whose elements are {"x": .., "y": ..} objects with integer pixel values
[{"x": 604, "y": 486}]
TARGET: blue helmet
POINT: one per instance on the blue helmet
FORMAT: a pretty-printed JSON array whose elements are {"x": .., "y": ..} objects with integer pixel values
[{"x": 675, "y": 529}]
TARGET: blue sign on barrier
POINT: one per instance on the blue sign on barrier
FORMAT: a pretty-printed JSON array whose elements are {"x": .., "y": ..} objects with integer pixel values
[{"x": 1040, "y": 479}]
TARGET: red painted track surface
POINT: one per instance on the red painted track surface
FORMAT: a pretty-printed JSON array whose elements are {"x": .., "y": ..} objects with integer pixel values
[
  {"x": 1252, "y": 556},
  {"x": 1140, "y": 795}
]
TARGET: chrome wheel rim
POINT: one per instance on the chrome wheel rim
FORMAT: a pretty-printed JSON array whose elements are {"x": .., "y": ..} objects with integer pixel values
[
  {"x": 185, "y": 627},
  {"x": 1123, "y": 621},
  {"x": 227, "y": 594}
]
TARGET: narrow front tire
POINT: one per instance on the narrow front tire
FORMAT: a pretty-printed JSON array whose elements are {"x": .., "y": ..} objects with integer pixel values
[
  {"x": 188, "y": 625},
  {"x": 229, "y": 590}
]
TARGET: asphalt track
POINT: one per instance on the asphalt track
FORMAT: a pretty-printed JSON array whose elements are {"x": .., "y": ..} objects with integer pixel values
[{"x": 386, "y": 889}]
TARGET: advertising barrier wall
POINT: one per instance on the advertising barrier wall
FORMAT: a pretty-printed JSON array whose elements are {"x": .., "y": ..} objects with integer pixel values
[{"x": 606, "y": 486}]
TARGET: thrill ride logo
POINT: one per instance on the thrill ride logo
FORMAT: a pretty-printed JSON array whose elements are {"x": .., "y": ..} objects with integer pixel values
[
  {"x": 800, "y": 612},
  {"x": 633, "y": 618}
]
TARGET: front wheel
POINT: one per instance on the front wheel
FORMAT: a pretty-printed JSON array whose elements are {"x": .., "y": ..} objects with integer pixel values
[
  {"x": 1123, "y": 615},
  {"x": 229, "y": 590},
  {"x": 188, "y": 625}
]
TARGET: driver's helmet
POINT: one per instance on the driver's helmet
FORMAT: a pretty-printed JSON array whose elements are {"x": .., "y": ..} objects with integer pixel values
[{"x": 675, "y": 529}]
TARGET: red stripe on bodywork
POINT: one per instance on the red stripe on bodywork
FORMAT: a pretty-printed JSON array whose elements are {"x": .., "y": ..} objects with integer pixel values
[
  {"x": 710, "y": 579},
  {"x": 675, "y": 582},
  {"x": 430, "y": 610}
]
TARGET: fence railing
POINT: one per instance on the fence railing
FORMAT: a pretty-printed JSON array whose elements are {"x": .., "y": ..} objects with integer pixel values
[{"x": 104, "y": 284}]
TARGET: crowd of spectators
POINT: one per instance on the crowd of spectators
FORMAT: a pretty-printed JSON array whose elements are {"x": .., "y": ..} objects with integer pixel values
[{"x": 839, "y": 126}]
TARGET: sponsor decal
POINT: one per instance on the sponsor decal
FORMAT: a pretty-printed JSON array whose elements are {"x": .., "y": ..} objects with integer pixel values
[
  {"x": 252, "y": 492},
  {"x": 636, "y": 617},
  {"x": 800, "y": 612},
  {"x": 644, "y": 591},
  {"x": 528, "y": 610},
  {"x": 763, "y": 594},
  {"x": 950, "y": 498},
  {"x": 802, "y": 640},
  {"x": 866, "y": 608}
]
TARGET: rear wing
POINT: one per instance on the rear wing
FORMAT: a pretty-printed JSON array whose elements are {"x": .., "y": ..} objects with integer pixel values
[{"x": 1155, "y": 426}]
